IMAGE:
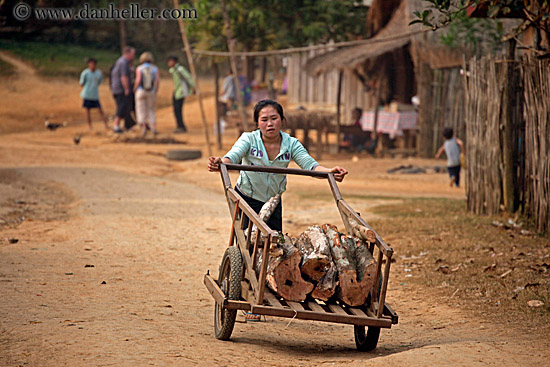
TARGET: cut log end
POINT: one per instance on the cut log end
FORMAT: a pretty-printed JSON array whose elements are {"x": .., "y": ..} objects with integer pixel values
[
  {"x": 287, "y": 281},
  {"x": 315, "y": 268},
  {"x": 351, "y": 291}
]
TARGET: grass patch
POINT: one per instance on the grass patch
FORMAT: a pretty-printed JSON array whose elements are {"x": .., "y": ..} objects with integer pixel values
[
  {"x": 492, "y": 271},
  {"x": 6, "y": 69},
  {"x": 52, "y": 59}
]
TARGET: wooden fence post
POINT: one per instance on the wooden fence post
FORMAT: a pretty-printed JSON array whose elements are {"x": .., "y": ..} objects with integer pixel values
[
  {"x": 230, "y": 46},
  {"x": 507, "y": 117},
  {"x": 194, "y": 75}
]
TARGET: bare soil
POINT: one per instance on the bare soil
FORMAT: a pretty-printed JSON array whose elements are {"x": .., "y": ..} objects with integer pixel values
[{"x": 113, "y": 242}]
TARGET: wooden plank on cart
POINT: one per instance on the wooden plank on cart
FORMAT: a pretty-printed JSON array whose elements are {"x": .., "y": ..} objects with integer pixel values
[
  {"x": 337, "y": 309},
  {"x": 358, "y": 312},
  {"x": 272, "y": 300},
  {"x": 295, "y": 306},
  {"x": 315, "y": 307},
  {"x": 321, "y": 316}
]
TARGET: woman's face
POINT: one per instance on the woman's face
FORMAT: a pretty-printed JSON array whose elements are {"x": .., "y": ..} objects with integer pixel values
[{"x": 269, "y": 122}]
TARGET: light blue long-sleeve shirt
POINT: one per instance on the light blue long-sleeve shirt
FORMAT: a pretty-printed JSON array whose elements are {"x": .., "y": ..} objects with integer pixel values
[{"x": 249, "y": 149}]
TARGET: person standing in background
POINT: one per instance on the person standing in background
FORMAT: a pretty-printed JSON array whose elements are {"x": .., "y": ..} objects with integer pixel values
[
  {"x": 121, "y": 76},
  {"x": 183, "y": 87},
  {"x": 145, "y": 88},
  {"x": 90, "y": 79}
]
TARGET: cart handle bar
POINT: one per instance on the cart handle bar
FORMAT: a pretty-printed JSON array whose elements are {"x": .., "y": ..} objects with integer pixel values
[{"x": 280, "y": 170}]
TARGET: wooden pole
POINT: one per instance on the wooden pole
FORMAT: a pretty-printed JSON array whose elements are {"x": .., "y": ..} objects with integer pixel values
[
  {"x": 374, "y": 134},
  {"x": 122, "y": 29},
  {"x": 339, "y": 108},
  {"x": 194, "y": 75},
  {"x": 217, "y": 101},
  {"x": 230, "y": 46},
  {"x": 508, "y": 144}
]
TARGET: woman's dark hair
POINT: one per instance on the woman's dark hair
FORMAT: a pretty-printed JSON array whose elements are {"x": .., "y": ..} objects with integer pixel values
[
  {"x": 268, "y": 102},
  {"x": 91, "y": 59},
  {"x": 173, "y": 58},
  {"x": 448, "y": 132}
]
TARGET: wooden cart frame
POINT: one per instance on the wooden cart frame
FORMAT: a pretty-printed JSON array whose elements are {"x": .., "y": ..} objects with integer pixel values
[{"x": 253, "y": 296}]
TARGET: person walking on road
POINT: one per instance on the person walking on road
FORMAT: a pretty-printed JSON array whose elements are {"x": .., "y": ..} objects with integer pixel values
[
  {"x": 183, "y": 87},
  {"x": 121, "y": 76},
  {"x": 145, "y": 88}
]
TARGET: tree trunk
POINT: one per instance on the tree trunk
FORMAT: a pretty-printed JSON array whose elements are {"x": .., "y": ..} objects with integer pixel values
[
  {"x": 361, "y": 231},
  {"x": 217, "y": 102},
  {"x": 351, "y": 291},
  {"x": 284, "y": 275},
  {"x": 326, "y": 287},
  {"x": 231, "y": 47},
  {"x": 425, "y": 122},
  {"x": 316, "y": 253},
  {"x": 122, "y": 29},
  {"x": 195, "y": 78},
  {"x": 366, "y": 266},
  {"x": 508, "y": 144},
  {"x": 264, "y": 69},
  {"x": 339, "y": 108},
  {"x": 265, "y": 213}
]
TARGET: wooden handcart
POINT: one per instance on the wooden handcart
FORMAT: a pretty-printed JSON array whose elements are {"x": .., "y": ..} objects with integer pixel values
[{"x": 239, "y": 287}]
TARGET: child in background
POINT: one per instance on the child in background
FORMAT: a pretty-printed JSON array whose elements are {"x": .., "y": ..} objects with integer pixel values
[
  {"x": 452, "y": 147},
  {"x": 90, "y": 79}
]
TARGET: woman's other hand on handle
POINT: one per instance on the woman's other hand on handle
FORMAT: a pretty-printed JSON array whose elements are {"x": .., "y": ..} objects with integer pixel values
[
  {"x": 339, "y": 173},
  {"x": 214, "y": 164}
]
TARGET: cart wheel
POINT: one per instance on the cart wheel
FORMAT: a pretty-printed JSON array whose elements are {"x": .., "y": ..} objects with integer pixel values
[
  {"x": 366, "y": 341},
  {"x": 230, "y": 284}
]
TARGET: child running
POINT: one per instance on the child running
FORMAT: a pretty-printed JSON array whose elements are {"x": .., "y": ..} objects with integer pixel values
[
  {"x": 452, "y": 147},
  {"x": 90, "y": 78}
]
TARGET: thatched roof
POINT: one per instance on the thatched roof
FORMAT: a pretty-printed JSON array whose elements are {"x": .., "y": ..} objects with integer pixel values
[{"x": 396, "y": 34}]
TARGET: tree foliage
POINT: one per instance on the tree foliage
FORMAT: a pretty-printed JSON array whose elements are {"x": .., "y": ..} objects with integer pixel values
[
  {"x": 478, "y": 36},
  {"x": 534, "y": 13},
  {"x": 260, "y": 25}
]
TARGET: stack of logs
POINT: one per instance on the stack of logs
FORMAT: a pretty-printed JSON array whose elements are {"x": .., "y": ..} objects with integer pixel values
[{"x": 321, "y": 262}]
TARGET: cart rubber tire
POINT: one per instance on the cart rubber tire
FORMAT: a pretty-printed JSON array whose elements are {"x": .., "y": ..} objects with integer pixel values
[
  {"x": 183, "y": 154},
  {"x": 230, "y": 282},
  {"x": 366, "y": 341}
]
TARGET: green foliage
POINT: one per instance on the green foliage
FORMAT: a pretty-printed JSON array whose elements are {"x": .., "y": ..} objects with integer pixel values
[
  {"x": 480, "y": 36},
  {"x": 59, "y": 59},
  {"x": 260, "y": 25},
  {"x": 442, "y": 12}
]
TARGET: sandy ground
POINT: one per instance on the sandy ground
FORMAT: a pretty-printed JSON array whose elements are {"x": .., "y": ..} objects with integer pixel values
[{"x": 113, "y": 242}]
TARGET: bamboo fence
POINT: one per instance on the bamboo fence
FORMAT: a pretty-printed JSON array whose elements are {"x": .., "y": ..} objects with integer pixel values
[
  {"x": 536, "y": 80},
  {"x": 483, "y": 97},
  {"x": 485, "y": 86}
]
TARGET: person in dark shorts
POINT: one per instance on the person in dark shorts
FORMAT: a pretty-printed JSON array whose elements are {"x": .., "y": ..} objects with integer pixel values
[
  {"x": 90, "y": 78},
  {"x": 452, "y": 147},
  {"x": 121, "y": 77}
]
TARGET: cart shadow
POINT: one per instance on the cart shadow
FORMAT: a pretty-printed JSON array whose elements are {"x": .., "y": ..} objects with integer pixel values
[{"x": 310, "y": 349}]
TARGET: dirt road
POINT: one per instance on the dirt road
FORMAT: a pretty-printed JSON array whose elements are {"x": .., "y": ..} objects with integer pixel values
[
  {"x": 113, "y": 241},
  {"x": 114, "y": 277}
]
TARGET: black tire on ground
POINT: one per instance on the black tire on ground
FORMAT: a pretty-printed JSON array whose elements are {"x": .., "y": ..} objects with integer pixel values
[
  {"x": 183, "y": 154},
  {"x": 366, "y": 341},
  {"x": 229, "y": 281}
]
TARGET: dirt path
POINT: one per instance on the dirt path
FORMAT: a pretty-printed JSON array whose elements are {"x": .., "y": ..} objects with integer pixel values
[
  {"x": 150, "y": 240},
  {"x": 113, "y": 242},
  {"x": 20, "y": 66}
]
